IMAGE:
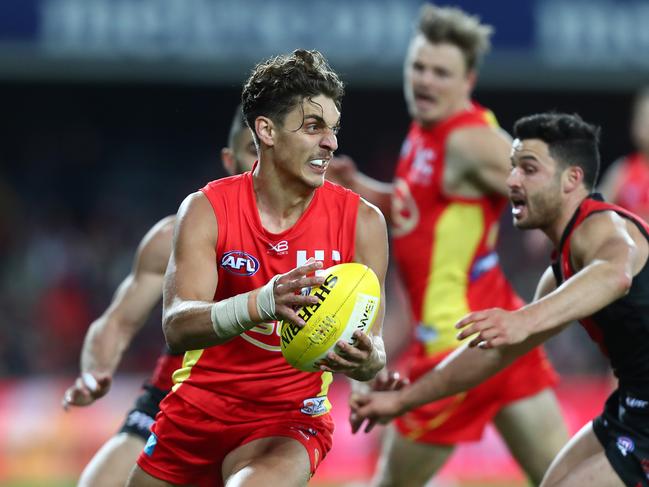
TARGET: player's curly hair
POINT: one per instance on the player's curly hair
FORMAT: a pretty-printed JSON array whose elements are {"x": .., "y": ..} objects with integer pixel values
[
  {"x": 454, "y": 26},
  {"x": 278, "y": 84},
  {"x": 570, "y": 140}
]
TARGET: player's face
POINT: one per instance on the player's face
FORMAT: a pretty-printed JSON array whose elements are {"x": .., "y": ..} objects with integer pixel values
[
  {"x": 436, "y": 82},
  {"x": 242, "y": 155},
  {"x": 306, "y": 140},
  {"x": 244, "y": 151},
  {"x": 640, "y": 126},
  {"x": 534, "y": 185}
]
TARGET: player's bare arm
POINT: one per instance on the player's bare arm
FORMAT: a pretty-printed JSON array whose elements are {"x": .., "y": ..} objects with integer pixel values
[
  {"x": 342, "y": 170},
  {"x": 477, "y": 161},
  {"x": 610, "y": 184},
  {"x": 363, "y": 360},
  {"x": 191, "y": 319},
  {"x": 111, "y": 334},
  {"x": 607, "y": 251}
]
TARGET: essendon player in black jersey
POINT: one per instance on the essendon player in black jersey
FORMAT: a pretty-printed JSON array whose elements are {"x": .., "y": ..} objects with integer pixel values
[{"x": 600, "y": 277}]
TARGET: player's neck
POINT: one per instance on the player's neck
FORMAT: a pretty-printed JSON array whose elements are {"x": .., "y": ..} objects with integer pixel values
[
  {"x": 556, "y": 229},
  {"x": 460, "y": 107},
  {"x": 280, "y": 204}
]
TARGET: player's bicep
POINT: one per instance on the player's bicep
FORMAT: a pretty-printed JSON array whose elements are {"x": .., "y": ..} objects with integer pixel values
[
  {"x": 135, "y": 299},
  {"x": 481, "y": 155},
  {"x": 192, "y": 273},
  {"x": 372, "y": 249},
  {"x": 610, "y": 184},
  {"x": 142, "y": 289}
]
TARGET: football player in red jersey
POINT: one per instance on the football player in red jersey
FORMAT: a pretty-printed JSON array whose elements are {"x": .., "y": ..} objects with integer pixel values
[
  {"x": 626, "y": 183},
  {"x": 110, "y": 335},
  {"x": 599, "y": 276},
  {"x": 244, "y": 247},
  {"x": 444, "y": 204}
]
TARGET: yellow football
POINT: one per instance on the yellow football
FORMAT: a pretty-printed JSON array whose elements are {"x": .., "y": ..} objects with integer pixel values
[{"x": 348, "y": 301}]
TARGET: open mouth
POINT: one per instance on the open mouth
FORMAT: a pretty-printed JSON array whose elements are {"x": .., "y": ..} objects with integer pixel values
[
  {"x": 518, "y": 205},
  {"x": 319, "y": 164},
  {"x": 425, "y": 98}
]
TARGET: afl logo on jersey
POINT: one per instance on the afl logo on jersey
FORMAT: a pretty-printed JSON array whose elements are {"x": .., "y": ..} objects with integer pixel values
[{"x": 239, "y": 263}]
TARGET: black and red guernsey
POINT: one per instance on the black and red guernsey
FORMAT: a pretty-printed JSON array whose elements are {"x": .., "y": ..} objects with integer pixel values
[{"x": 621, "y": 329}]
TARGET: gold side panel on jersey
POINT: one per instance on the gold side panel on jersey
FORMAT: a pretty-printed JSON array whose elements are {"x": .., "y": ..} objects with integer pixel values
[
  {"x": 327, "y": 379},
  {"x": 183, "y": 373},
  {"x": 456, "y": 238},
  {"x": 438, "y": 420}
]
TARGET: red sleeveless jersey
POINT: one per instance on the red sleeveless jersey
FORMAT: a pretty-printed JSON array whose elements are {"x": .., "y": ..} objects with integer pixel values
[
  {"x": 445, "y": 245},
  {"x": 632, "y": 188},
  {"x": 248, "y": 376}
]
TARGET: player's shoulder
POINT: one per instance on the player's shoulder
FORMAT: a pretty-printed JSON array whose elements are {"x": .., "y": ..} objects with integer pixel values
[
  {"x": 372, "y": 221},
  {"x": 222, "y": 184},
  {"x": 335, "y": 191},
  {"x": 161, "y": 231},
  {"x": 601, "y": 224},
  {"x": 155, "y": 247},
  {"x": 478, "y": 141}
]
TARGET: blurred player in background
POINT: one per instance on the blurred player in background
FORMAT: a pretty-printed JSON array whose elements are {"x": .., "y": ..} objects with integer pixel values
[
  {"x": 626, "y": 183},
  {"x": 111, "y": 334},
  {"x": 244, "y": 247},
  {"x": 445, "y": 203},
  {"x": 599, "y": 276}
]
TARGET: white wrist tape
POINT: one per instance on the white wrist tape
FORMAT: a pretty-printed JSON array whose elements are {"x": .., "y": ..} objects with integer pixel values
[
  {"x": 266, "y": 300},
  {"x": 230, "y": 316}
]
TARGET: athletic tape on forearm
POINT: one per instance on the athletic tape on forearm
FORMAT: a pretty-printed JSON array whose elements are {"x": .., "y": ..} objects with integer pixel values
[
  {"x": 230, "y": 316},
  {"x": 266, "y": 300}
]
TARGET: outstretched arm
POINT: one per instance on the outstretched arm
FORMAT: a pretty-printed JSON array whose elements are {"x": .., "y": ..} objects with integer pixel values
[
  {"x": 462, "y": 370},
  {"x": 111, "y": 334},
  {"x": 342, "y": 170},
  {"x": 607, "y": 251},
  {"x": 477, "y": 161},
  {"x": 610, "y": 184}
]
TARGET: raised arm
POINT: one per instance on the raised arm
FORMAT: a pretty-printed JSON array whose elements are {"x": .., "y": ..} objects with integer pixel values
[
  {"x": 342, "y": 170},
  {"x": 191, "y": 319},
  {"x": 611, "y": 181},
  {"x": 111, "y": 334},
  {"x": 477, "y": 161}
]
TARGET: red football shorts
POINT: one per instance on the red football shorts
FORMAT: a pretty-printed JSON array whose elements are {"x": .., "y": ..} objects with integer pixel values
[
  {"x": 187, "y": 446},
  {"x": 464, "y": 417}
]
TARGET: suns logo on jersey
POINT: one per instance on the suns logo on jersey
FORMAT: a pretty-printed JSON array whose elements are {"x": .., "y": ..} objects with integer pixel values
[
  {"x": 239, "y": 263},
  {"x": 405, "y": 213}
]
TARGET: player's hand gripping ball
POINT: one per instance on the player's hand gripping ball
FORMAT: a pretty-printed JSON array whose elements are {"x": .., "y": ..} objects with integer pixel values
[{"x": 348, "y": 301}]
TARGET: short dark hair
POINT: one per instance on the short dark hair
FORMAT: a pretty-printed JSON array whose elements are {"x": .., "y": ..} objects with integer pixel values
[
  {"x": 571, "y": 141},
  {"x": 278, "y": 84},
  {"x": 238, "y": 124},
  {"x": 454, "y": 26}
]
